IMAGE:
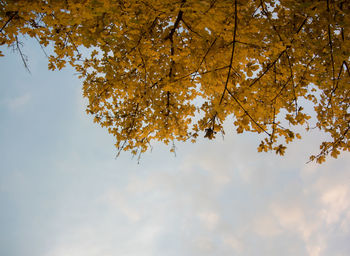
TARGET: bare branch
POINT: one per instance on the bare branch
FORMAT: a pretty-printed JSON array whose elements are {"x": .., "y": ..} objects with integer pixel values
[{"x": 23, "y": 57}]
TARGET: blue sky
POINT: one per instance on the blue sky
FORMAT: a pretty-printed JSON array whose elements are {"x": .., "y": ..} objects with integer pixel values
[{"x": 63, "y": 193}]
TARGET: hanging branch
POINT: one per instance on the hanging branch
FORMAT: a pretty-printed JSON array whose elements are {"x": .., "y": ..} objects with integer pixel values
[
  {"x": 246, "y": 112},
  {"x": 205, "y": 55},
  {"x": 23, "y": 57},
  {"x": 336, "y": 85},
  {"x": 172, "y": 51},
  {"x": 8, "y": 21},
  {"x": 232, "y": 53},
  {"x": 210, "y": 131},
  {"x": 280, "y": 55}
]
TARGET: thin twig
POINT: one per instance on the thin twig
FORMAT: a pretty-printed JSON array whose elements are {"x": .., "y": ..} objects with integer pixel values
[
  {"x": 267, "y": 68},
  {"x": 284, "y": 86},
  {"x": 336, "y": 85},
  {"x": 205, "y": 55},
  {"x": 23, "y": 57},
  {"x": 246, "y": 112}
]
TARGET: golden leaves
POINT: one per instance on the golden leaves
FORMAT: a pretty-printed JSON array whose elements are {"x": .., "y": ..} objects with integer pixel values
[{"x": 151, "y": 74}]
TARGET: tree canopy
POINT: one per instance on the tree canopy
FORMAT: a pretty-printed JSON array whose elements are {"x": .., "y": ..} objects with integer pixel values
[{"x": 175, "y": 69}]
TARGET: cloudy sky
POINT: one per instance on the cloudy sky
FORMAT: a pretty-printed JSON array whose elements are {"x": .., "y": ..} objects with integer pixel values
[{"x": 63, "y": 193}]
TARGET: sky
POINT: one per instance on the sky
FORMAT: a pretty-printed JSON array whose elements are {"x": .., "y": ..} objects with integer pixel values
[{"x": 63, "y": 192}]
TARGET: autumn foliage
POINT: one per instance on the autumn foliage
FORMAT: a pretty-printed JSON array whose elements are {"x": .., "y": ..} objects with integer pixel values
[{"x": 167, "y": 70}]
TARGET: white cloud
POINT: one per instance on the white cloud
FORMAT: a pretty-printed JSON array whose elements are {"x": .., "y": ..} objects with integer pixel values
[
  {"x": 233, "y": 243},
  {"x": 266, "y": 225},
  {"x": 314, "y": 250},
  {"x": 121, "y": 203},
  {"x": 209, "y": 219},
  {"x": 336, "y": 202},
  {"x": 90, "y": 240},
  {"x": 290, "y": 217},
  {"x": 18, "y": 102},
  {"x": 205, "y": 244}
]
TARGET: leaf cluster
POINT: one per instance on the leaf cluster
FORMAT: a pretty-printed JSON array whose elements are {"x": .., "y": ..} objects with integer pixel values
[{"x": 169, "y": 70}]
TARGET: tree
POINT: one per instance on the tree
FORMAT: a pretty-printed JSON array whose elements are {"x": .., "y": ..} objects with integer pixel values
[{"x": 169, "y": 70}]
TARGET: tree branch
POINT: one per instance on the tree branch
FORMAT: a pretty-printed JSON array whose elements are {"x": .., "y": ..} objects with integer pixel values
[
  {"x": 232, "y": 53},
  {"x": 246, "y": 112},
  {"x": 267, "y": 68},
  {"x": 210, "y": 131},
  {"x": 205, "y": 55},
  {"x": 23, "y": 57},
  {"x": 8, "y": 21}
]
